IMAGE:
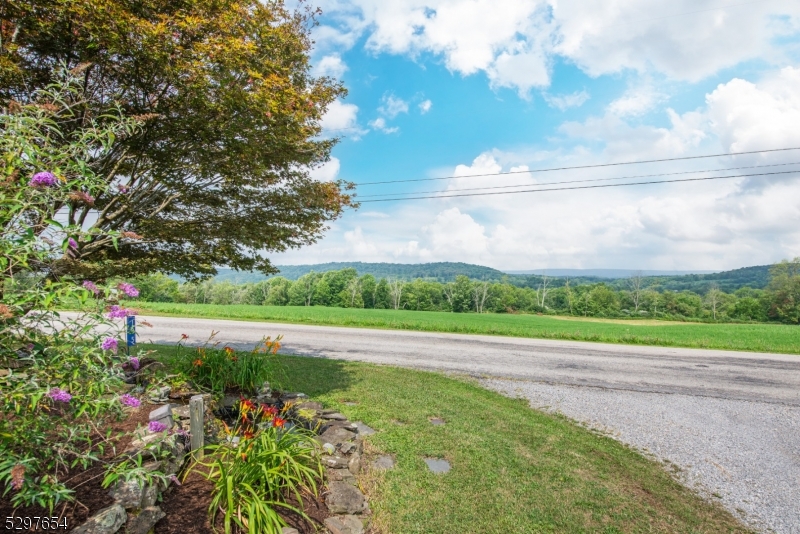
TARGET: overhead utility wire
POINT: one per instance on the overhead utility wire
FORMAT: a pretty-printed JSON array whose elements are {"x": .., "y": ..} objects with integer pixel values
[
  {"x": 582, "y": 181},
  {"x": 583, "y": 187},
  {"x": 595, "y": 166}
]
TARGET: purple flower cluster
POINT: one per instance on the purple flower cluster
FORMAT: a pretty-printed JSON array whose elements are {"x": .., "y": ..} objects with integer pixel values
[
  {"x": 128, "y": 289},
  {"x": 109, "y": 343},
  {"x": 156, "y": 426},
  {"x": 134, "y": 361},
  {"x": 59, "y": 395},
  {"x": 43, "y": 179},
  {"x": 115, "y": 312},
  {"x": 72, "y": 243},
  {"x": 130, "y": 400},
  {"x": 91, "y": 287}
]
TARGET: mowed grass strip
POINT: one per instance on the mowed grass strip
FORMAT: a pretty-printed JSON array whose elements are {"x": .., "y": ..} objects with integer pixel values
[
  {"x": 514, "y": 469},
  {"x": 743, "y": 337}
]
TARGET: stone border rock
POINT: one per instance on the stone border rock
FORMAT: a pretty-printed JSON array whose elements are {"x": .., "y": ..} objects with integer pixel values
[
  {"x": 134, "y": 510},
  {"x": 341, "y": 442}
]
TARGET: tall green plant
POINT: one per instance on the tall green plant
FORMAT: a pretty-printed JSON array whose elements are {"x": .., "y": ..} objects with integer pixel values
[{"x": 253, "y": 478}]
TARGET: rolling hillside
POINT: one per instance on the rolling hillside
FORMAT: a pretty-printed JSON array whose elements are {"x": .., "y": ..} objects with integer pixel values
[{"x": 755, "y": 277}]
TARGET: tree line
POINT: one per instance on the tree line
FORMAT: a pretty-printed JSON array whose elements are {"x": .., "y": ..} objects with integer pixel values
[{"x": 779, "y": 301}]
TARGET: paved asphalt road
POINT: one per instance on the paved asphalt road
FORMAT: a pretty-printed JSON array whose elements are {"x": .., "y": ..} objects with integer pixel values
[{"x": 772, "y": 378}]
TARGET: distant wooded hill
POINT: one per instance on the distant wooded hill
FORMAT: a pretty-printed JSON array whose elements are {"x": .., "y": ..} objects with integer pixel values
[
  {"x": 442, "y": 272},
  {"x": 756, "y": 277}
]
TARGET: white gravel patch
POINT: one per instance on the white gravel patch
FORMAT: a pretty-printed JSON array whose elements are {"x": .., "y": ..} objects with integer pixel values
[{"x": 744, "y": 453}]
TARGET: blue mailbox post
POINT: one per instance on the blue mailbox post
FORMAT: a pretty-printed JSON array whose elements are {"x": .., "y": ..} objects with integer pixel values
[{"x": 130, "y": 331}]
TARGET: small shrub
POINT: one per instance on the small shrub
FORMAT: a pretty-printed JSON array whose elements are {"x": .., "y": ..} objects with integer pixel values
[
  {"x": 219, "y": 369},
  {"x": 253, "y": 478}
]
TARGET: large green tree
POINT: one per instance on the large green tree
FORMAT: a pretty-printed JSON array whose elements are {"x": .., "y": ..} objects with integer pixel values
[{"x": 219, "y": 172}]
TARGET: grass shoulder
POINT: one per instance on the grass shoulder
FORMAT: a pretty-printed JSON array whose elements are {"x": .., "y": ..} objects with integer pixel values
[{"x": 742, "y": 337}]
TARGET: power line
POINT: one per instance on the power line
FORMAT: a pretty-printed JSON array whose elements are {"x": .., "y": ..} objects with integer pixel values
[
  {"x": 583, "y": 181},
  {"x": 584, "y": 187},
  {"x": 595, "y": 166}
]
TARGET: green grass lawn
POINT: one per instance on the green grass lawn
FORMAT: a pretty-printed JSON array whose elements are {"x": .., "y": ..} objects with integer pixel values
[
  {"x": 745, "y": 337},
  {"x": 514, "y": 469}
]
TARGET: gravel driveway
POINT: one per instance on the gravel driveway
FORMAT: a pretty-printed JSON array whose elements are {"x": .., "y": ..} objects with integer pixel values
[{"x": 745, "y": 453}]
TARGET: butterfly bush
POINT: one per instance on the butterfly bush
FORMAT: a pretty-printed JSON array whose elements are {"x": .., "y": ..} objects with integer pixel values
[
  {"x": 72, "y": 368},
  {"x": 91, "y": 287},
  {"x": 59, "y": 395},
  {"x": 128, "y": 289},
  {"x": 130, "y": 400},
  {"x": 157, "y": 426},
  {"x": 43, "y": 179}
]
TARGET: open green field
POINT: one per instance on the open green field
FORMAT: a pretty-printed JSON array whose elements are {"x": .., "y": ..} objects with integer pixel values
[
  {"x": 514, "y": 469},
  {"x": 744, "y": 337}
]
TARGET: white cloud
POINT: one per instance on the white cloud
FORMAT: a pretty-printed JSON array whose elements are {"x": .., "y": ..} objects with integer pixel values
[
  {"x": 636, "y": 101},
  {"x": 331, "y": 65},
  {"x": 375, "y": 214},
  {"x": 340, "y": 116},
  {"x": 392, "y": 106},
  {"x": 425, "y": 106},
  {"x": 514, "y": 42},
  {"x": 684, "y": 39},
  {"x": 327, "y": 171},
  {"x": 380, "y": 125},
  {"x": 564, "y": 102},
  {"x": 747, "y": 116}
]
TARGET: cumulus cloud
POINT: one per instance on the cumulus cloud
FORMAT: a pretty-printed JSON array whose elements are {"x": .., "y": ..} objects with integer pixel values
[
  {"x": 340, "y": 116},
  {"x": 327, "y": 171},
  {"x": 749, "y": 116},
  {"x": 564, "y": 102},
  {"x": 636, "y": 101},
  {"x": 331, "y": 65},
  {"x": 425, "y": 106},
  {"x": 380, "y": 125},
  {"x": 514, "y": 42}
]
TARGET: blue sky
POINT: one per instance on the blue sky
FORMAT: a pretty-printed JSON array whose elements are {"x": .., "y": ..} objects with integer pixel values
[{"x": 443, "y": 88}]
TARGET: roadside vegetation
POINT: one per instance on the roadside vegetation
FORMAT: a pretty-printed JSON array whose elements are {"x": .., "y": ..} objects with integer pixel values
[
  {"x": 514, "y": 469},
  {"x": 639, "y": 297},
  {"x": 744, "y": 337}
]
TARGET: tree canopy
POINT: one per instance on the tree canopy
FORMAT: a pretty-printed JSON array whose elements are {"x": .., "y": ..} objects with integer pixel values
[{"x": 219, "y": 171}]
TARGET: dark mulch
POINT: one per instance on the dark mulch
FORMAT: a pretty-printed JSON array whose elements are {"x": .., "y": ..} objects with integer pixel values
[
  {"x": 89, "y": 495},
  {"x": 186, "y": 507}
]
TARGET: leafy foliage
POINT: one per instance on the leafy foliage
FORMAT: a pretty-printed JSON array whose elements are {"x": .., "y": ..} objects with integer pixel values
[
  {"x": 218, "y": 172},
  {"x": 60, "y": 376}
]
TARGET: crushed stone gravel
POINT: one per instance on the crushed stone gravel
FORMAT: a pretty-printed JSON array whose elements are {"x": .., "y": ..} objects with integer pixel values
[{"x": 744, "y": 453}]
